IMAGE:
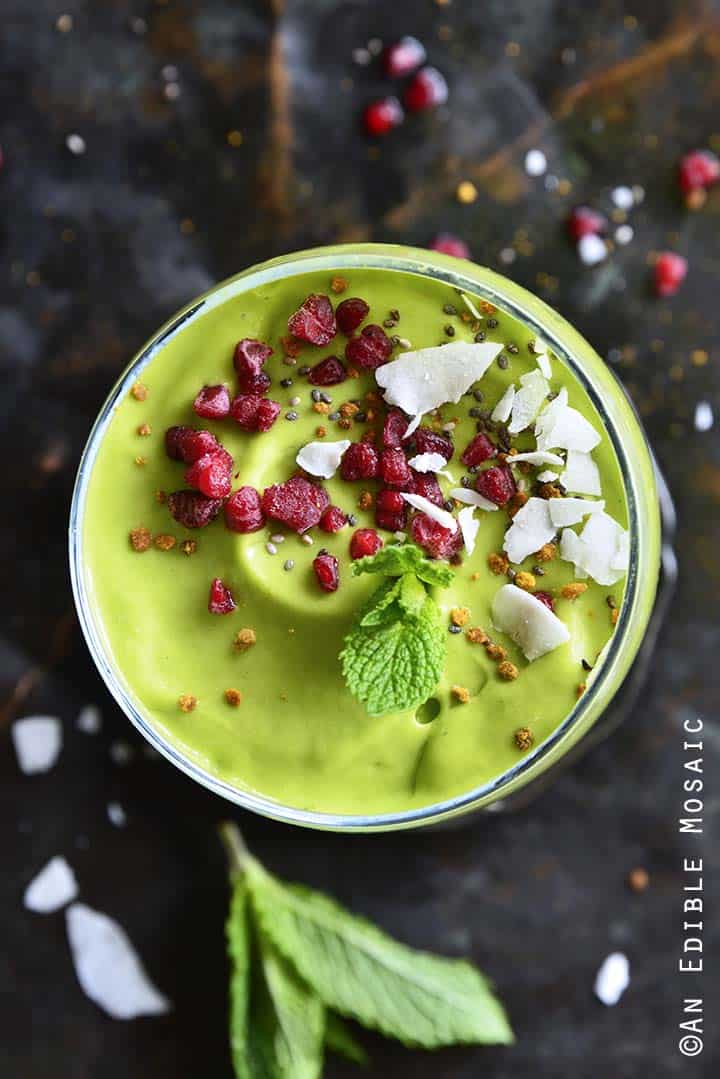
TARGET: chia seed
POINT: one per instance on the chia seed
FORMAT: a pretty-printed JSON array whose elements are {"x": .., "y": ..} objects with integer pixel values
[
  {"x": 304, "y": 370},
  {"x": 449, "y": 505},
  {"x": 450, "y": 309},
  {"x": 404, "y": 343},
  {"x": 271, "y": 548},
  {"x": 475, "y": 413},
  {"x": 512, "y": 349},
  {"x": 585, "y": 665},
  {"x": 450, "y": 330},
  {"x": 360, "y": 417},
  {"x": 352, "y": 519},
  {"x": 394, "y": 313},
  {"x": 552, "y": 395},
  {"x": 510, "y": 573},
  {"x": 479, "y": 337},
  {"x": 286, "y": 383},
  {"x": 452, "y": 628},
  {"x": 325, "y": 397},
  {"x": 334, "y": 416},
  {"x": 503, "y": 362},
  {"x": 278, "y": 538},
  {"x": 492, "y": 323},
  {"x": 538, "y": 571},
  {"x": 465, "y": 481},
  {"x": 291, "y": 415},
  {"x": 316, "y": 395},
  {"x": 388, "y": 323},
  {"x": 474, "y": 469},
  {"x": 289, "y": 564},
  {"x": 394, "y": 340},
  {"x": 478, "y": 395}
]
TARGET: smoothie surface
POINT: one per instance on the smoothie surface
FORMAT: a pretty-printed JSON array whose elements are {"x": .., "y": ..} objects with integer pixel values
[{"x": 298, "y": 736}]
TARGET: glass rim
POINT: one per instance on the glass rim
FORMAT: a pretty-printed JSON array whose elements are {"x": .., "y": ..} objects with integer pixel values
[{"x": 564, "y": 341}]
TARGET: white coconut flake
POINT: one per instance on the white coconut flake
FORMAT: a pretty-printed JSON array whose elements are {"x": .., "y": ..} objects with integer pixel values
[
  {"x": 559, "y": 426},
  {"x": 322, "y": 458},
  {"x": 591, "y": 249},
  {"x": 527, "y": 621},
  {"x": 430, "y": 462},
  {"x": 543, "y": 362},
  {"x": 600, "y": 551},
  {"x": 535, "y": 163},
  {"x": 472, "y": 498},
  {"x": 570, "y": 511},
  {"x": 703, "y": 419},
  {"x": 442, "y": 517},
  {"x": 471, "y": 306},
  {"x": 469, "y": 527},
  {"x": 530, "y": 530},
  {"x": 502, "y": 410},
  {"x": 430, "y": 377},
  {"x": 528, "y": 401},
  {"x": 116, "y": 814},
  {"x": 89, "y": 719},
  {"x": 612, "y": 979},
  {"x": 623, "y": 197},
  {"x": 536, "y": 457},
  {"x": 108, "y": 968},
  {"x": 548, "y": 476},
  {"x": 581, "y": 475},
  {"x": 37, "y": 741},
  {"x": 52, "y": 888}
]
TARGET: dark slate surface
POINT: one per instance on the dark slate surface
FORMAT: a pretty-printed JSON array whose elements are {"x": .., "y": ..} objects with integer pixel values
[{"x": 98, "y": 249}]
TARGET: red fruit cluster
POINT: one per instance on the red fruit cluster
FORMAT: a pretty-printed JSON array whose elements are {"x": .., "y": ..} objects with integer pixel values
[
  {"x": 192, "y": 509},
  {"x": 296, "y": 503},
  {"x": 669, "y": 273},
  {"x": 394, "y": 469},
  {"x": 390, "y": 510},
  {"x": 211, "y": 474},
  {"x": 249, "y": 358},
  {"x": 496, "y": 484},
  {"x": 188, "y": 444},
  {"x": 220, "y": 600},
  {"x": 359, "y": 462},
  {"x": 314, "y": 321},
  {"x": 427, "y": 441},
  {"x": 439, "y": 542},
  {"x": 364, "y": 542},
  {"x": 479, "y": 450},
  {"x": 350, "y": 313},
  {"x": 332, "y": 519},
  {"x": 243, "y": 511},
  {"x": 327, "y": 571},
  {"x": 212, "y": 403},
  {"x": 329, "y": 372},
  {"x": 426, "y": 88},
  {"x": 370, "y": 349},
  {"x": 254, "y": 413}
]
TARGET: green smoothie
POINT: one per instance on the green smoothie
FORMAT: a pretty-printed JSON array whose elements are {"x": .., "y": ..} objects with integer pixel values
[{"x": 297, "y": 735}]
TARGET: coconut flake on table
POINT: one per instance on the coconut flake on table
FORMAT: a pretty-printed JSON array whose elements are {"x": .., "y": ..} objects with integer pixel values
[
  {"x": 322, "y": 458},
  {"x": 559, "y": 426},
  {"x": 612, "y": 979},
  {"x": 623, "y": 197},
  {"x": 570, "y": 511},
  {"x": 703, "y": 419},
  {"x": 530, "y": 530},
  {"x": 419, "y": 502},
  {"x": 469, "y": 527},
  {"x": 528, "y": 401},
  {"x": 430, "y": 462},
  {"x": 592, "y": 249},
  {"x": 89, "y": 719},
  {"x": 502, "y": 410},
  {"x": 535, "y": 163},
  {"x": 472, "y": 498},
  {"x": 548, "y": 476},
  {"x": 52, "y": 888},
  {"x": 37, "y": 741},
  {"x": 535, "y": 457},
  {"x": 116, "y": 814},
  {"x": 108, "y": 968},
  {"x": 600, "y": 551},
  {"x": 527, "y": 621},
  {"x": 581, "y": 475}
]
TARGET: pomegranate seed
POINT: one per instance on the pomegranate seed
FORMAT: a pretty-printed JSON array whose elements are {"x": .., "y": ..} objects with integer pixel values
[
  {"x": 496, "y": 484},
  {"x": 394, "y": 469},
  {"x": 383, "y": 115},
  {"x": 670, "y": 272},
  {"x": 371, "y": 349},
  {"x": 364, "y": 542},
  {"x": 584, "y": 221},
  {"x": 328, "y": 372},
  {"x": 425, "y": 484},
  {"x": 193, "y": 510},
  {"x": 479, "y": 450},
  {"x": 297, "y": 503},
  {"x": 427, "y": 88},
  {"x": 211, "y": 474},
  {"x": 390, "y": 510},
  {"x": 427, "y": 441},
  {"x": 547, "y": 599},
  {"x": 188, "y": 445},
  {"x": 698, "y": 169},
  {"x": 403, "y": 57},
  {"x": 326, "y": 571},
  {"x": 350, "y": 313},
  {"x": 243, "y": 511},
  {"x": 212, "y": 403},
  {"x": 439, "y": 542},
  {"x": 359, "y": 462},
  {"x": 447, "y": 244},
  {"x": 314, "y": 321},
  {"x": 254, "y": 413},
  {"x": 394, "y": 429},
  {"x": 249, "y": 357},
  {"x": 220, "y": 600},
  {"x": 332, "y": 519}
]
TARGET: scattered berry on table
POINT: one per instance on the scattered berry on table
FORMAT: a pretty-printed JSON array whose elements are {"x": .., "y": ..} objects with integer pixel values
[
  {"x": 427, "y": 89},
  {"x": 381, "y": 116},
  {"x": 403, "y": 56},
  {"x": 447, "y": 244},
  {"x": 584, "y": 221},
  {"x": 669, "y": 273},
  {"x": 698, "y": 170}
]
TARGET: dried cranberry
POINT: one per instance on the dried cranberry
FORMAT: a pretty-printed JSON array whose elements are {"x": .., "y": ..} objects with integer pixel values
[
  {"x": 254, "y": 413},
  {"x": 326, "y": 571},
  {"x": 243, "y": 511},
  {"x": 447, "y": 244},
  {"x": 401, "y": 58},
  {"x": 496, "y": 484},
  {"x": 212, "y": 403},
  {"x": 394, "y": 469},
  {"x": 297, "y": 503},
  {"x": 332, "y": 519},
  {"x": 350, "y": 313},
  {"x": 250, "y": 355},
  {"x": 188, "y": 445},
  {"x": 211, "y": 474},
  {"x": 371, "y": 349},
  {"x": 328, "y": 372},
  {"x": 426, "y": 89},
  {"x": 220, "y": 600},
  {"x": 670, "y": 272},
  {"x": 584, "y": 221},
  {"x": 547, "y": 599},
  {"x": 427, "y": 441},
  {"x": 364, "y": 542},
  {"x": 698, "y": 170},
  {"x": 394, "y": 430},
  {"x": 383, "y": 115},
  {"x": 390, "y": 510},
  {"x": 193, "y": 510},
  {"x": 426, "y": 484},
  {"x": 479, "y": 450},
  {"x": 314, "y": 321},
  {"x": 360, "y": 462},
  {"x": 439, "y": 542}
]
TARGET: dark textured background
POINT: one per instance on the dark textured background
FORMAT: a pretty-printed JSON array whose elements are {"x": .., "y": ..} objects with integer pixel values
[{"x": 99, "y": 249}]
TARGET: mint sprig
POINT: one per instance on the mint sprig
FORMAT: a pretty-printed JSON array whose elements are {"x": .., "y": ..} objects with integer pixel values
[
  {"x": 300, "y": 961},
  {"x": 395, "y": 651}
]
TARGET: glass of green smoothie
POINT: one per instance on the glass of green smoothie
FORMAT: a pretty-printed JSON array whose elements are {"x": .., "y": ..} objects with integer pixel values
[{"x": 284, "y": 428}]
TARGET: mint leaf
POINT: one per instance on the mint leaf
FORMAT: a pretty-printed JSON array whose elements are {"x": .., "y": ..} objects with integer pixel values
[
  {"x": 382, "y": 605},
  {"x": 340, "y": 1040},
  {"x": 238, "y": 939},
  {"x": 289, "y": 1016},
  {"x": 412, "y": 597},
  {"x": 396, "y": 560}
]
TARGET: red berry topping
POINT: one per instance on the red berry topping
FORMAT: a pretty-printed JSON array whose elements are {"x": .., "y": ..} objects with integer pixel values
[
  {"x": 211, "y": 474},
  {"x": 547, "y": 599},
  {"x": 188, "y": 445},
  {"x": 359, "y": 462},
  {"x": 328, "y": 372},
  {"x": 243, "y": 511},
  {"x": 364, "y": 542},
  {"x": 350, "y": 313},
  {"x": 297, "y": 503},
  {"x": 479, "y": 450},
  {"x": 371, "y": 349},
  {"x": 394, "y": 469},
  {"x": 670, "y": 272},
  {"x": 383, "y": 115},
  {"x": 426, "y": 484},
  {"x": 326, "y": 571},
  {"x": 332, "y": 519},
  {"x": 496, "y": 484},
  {"x": 250, "y": 355},
  {"x": 439, "y": 542},
  {"x": 698, "y": 170},
  {"x": 254, "y": 413},
  {"x": 220, "y": 600},
  {"x": 427, "y": 441},
  {"x": 193, "y": 510},
  {"x": 427, "y": 88},
  {"x": 584, "y": 221},
  {"x": 394, "y": 429},
  {"x": 314, "y": 321},
  {"x": 390, "y": 510},
  {"x": 447, "y": 244},
  {"x": 212, "y": 403},
  {"x": 403, "y": 57}
]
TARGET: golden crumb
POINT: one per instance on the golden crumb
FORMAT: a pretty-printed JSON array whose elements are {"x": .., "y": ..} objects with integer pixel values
[
  {"x": 495, "y": 652},
  {"x": 508, "y": 671},
  {"x": 345, "y": 423},
  {"x": 234, "y": 138},
  {"x": 161, "y": 497},
  {"x": 546, "y": 553},
  {"x": 638, "y": 879},
  {"x": 695, "y": 199},
  {"x": 460, "y": 693},
  {"x": 614, "y": 615},
  {"x": 348, "y": 409},
  {"x": 352, "y": 372},
  {"x": 372, "y": 397},
  {"x": 233, "y": 697},
  {"x": 460, "y": 616},
  {"x": 188, "y": 547},
  {"x": 187, "y": 702},
  {"x": 338, "y": 285},
  {"x": 370, "y": 413},
  {"x": 466, "y": 192},
  {"x": 144, "y": 430},
  {"x": 517, "y": 502},
  {"x": 549, "y": 490},
  {"x": 366, "y": 500},
  {"x": 523, "y": 738},
  {"x": 498, "y": 563},
  {"x": 244, "y": 639},
  {"x": 525, "y": 580},
  {"x": 164, "y": 542},
  {"x": 140, "y": 539},
  {"x": 322, "y": 407},
  {"x": 476, "y": 635},
  {"x": 475, "y": 576},
  {"x": 320, "y": 432},
  {"x": 141, "y": 461},
  {"x": 573, "y": 590},
  {"x": 581, "y": 689},
  {"x": 139, "y": 391}
]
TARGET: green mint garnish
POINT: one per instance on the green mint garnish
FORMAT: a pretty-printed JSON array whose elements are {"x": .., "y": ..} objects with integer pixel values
[
  {"x": 300, "y": 961},
  {"x": 395, "y": 651}
]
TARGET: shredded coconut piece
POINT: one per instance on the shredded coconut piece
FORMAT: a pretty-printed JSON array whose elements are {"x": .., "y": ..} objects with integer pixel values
[
  {"x": 430, "y": 462},
  {"x": 543, "y": 362},
  {"x": 559, "y": 426},
  {"x": 548, "y": 476},
  {"x": 471, "y": 306},
  {"x": 52, "y": 888},
  {"x": 442, "y": 517},
  {"x": 530, "y": 530},
  {"x": 472, "y": 498},
  {"x": 581, "y": 475},
  {"x": 527, "y": 621},
  {"x": 37, "y": 741},
  {"x": 469, "y": 527},
  {"x": 528, "y": 401},
  {"x": 536, "y": 457},
  {"x": 322, "y": 458},
  {"x": 570, "y": 511},
  {"x": 502, "y": 410},
  {"x": 600, "y": 551},
  {"x": 591, "y": 249},
  {"x": 612, "y": 979}
]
